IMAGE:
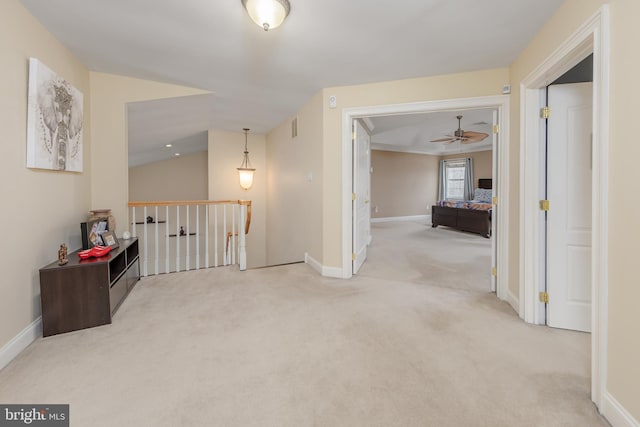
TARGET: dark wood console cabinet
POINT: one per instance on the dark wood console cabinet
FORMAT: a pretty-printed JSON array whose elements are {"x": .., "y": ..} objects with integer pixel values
[{"x": 86, "y": 293}]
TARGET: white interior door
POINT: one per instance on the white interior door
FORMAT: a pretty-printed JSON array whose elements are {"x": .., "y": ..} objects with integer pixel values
[
  {"x": 361, "y": 194},
  {"x": 569, "y": 216}
]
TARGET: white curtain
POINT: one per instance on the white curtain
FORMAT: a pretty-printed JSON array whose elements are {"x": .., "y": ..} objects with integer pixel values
[{"x": 468, "y": 179}]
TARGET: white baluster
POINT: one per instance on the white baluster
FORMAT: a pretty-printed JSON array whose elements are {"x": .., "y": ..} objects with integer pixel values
[
  {"x": 215, "y": 235},
  {"x": 224, "y": 232},
  {"x": 157, "y": 249},
  {"x": 167, "y": 251},
  {"x": 187, "y": 230},
  {"x": 133, "y": 214},
  {"x": 197, "y": 237},
  {"x": 206, "y": 237},
  {"x": 242, "y": 253},
  {"x": 233, "y": 234},
  {"x": 177, "y": 238},
  {"x": 144, "y": 244}
]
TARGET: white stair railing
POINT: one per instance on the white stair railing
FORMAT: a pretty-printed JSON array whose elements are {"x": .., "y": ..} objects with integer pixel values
[{"x": 187, "y": 235}]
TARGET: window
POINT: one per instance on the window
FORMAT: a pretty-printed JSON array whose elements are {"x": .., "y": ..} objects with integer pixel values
[{"x": 454, "y": 183}]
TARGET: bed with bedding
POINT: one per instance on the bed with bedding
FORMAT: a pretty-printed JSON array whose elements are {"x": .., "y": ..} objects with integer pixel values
[{"x": 473, "y": 216}]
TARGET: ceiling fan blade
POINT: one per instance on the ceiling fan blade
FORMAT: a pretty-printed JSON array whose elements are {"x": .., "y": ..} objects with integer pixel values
[
  {"x": 475, "y": 139},
  {"x": 472, "y": 134},
  {"x": 451, "y": 139}
]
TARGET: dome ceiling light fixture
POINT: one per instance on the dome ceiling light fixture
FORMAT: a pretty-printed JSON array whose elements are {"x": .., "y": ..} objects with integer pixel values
[{"x": 268, "y": 14}]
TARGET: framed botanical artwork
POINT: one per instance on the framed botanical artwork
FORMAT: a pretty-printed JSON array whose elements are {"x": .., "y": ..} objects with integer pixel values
[
  {"x": 109, "y": 239},
  {"x": 54, "y": 121}
]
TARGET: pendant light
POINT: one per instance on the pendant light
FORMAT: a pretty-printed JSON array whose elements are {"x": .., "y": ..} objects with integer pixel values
[
  {"x": 245, "y": 171},
  {"x": 267, "y": 14}
]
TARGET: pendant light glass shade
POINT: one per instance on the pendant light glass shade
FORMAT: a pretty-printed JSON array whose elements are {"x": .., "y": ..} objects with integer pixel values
[
  {"x": 246, "y": 178},
  {"x": 268, "y": 14},
  {"x": 245, "y": 171}
]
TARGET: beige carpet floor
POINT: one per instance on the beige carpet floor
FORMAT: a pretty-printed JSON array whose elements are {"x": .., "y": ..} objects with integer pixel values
[{"x": 414, "y": 340}]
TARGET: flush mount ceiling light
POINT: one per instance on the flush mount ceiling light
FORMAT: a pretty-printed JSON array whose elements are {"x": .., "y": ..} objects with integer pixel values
[
  {"x": 268, "y": 14},
  {"x": 245, "y": 170}
]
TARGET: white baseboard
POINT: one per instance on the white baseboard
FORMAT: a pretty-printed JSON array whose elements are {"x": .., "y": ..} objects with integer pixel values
[
  {"x": 426, "y": 218},
  {"x": 21, "y": 341},
  {"x": 323, "y": 270},
  {"x": 513, "y": 301},
  {"x": 313, "y": 263},
  {"x": 333, "y": 272},
  {"x": 615, "y": 413}
]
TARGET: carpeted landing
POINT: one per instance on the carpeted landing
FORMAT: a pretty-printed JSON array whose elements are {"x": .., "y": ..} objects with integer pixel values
[{"x": 415, "y": 339}]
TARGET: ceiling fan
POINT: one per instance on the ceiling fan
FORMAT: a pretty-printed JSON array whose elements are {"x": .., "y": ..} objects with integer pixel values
[{"x": 465, "y": 137}]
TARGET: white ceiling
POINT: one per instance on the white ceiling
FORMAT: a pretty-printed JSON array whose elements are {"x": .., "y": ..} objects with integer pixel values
[
  {"x": 260, "y": 78},
  {"x": 413, "y": 133}
]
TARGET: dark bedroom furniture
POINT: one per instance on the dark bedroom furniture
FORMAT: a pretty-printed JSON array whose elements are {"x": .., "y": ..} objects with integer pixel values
[
  {"x": 86, "y": 293},
  {"x": 463, "y": 219},
  {"x": 470, "y": 220}
]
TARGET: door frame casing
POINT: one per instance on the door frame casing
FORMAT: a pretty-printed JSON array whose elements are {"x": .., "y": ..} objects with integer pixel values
[
  {"x": 500, "y": 103},
  {"x": 591, "y": 37}
]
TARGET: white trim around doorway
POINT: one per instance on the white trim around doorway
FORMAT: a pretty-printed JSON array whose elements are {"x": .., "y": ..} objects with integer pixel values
[
  {"x": 592, "y": 36},
  {"x": 499, "y": 102}
]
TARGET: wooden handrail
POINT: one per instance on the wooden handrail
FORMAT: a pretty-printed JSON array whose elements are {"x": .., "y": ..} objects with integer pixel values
[{"x": 188, "y": 203}]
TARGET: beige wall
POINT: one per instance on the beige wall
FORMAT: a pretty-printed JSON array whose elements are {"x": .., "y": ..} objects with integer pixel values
[
  {"x": 40, "y": 209},
  {"x": 623, "y": 354},
  {"x": 225, "y": 155},
  {"x": 463, "y": 85},
  {"x": 403, "y": 184},
  {"x": 109, "y": 97},
  {"x": 624, "y": 288},
  {"x": 180, "y": 178},
  {"x": 482, "y": 164},
  {"x": 406, "y": 184},
  {"x": 294, "y": 187}
]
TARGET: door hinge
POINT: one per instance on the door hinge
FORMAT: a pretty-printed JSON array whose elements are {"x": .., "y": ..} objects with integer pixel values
[
  {"x": 353, "y": 256},
  {"x": 353, "y": 196},
  {"x": 494, "y": 200},
  {"x": 353, "y": 136},
  {"x": 494, "y": 272},
  {"x": 544, "y": 205},
  {"x": 496, "y": 128},
  {"x": 545, "y": 112},
  {"x": 544, "y": 297}
]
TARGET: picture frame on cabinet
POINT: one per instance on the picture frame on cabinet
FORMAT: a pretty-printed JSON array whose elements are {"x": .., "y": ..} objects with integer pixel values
[{"x": 109, "y": 239}]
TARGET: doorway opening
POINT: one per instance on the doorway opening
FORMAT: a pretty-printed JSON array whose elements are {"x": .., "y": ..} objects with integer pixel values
[
  {"x": 591, "y": 38},
  {"x": 410, "y": 156},
  {"x": 498, "y": 103}
]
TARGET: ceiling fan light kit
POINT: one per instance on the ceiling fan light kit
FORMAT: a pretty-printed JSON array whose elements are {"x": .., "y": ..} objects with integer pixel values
[
  {"x": 267, "y": 14},
  {"x": 464, "y": 137}
]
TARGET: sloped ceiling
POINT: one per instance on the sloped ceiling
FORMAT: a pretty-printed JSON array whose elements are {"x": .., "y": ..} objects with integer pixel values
[{"x": 259, "y": 78}]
